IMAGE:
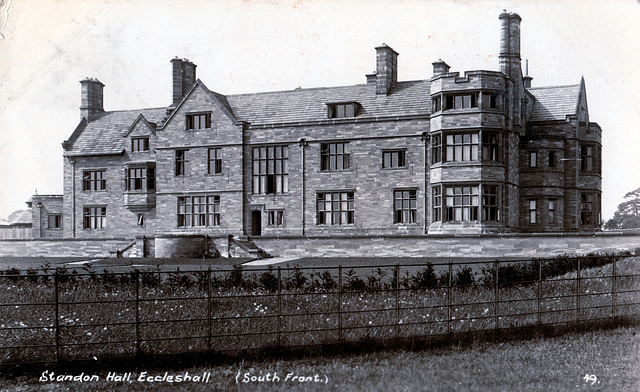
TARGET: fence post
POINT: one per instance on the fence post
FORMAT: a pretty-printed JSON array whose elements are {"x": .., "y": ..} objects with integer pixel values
[
  {"x": 497, "y": 296},
  {"x": 613, "y": 289},
  {"x": 57, "y": 316},
  {"x": 540, "y": 292},
  {"x": 137, "y": 276},
  {"x": 279, "y": 305},
  {"x": 449, "y": 292},
  {"x": 578, "y": 293},
  {"x": 397, "y": 292},
  {"x": 340, "y": 303},
  {"x": 209, "y": 308}
]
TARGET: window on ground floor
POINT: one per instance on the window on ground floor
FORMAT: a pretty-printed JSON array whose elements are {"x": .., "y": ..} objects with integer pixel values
[
  {"x": 275, "y": 218},
  {"x": 335, "y": 208},
  {"x": 199, "y": 211},
  {"x": 54, "y": 221},
  {"x": 552, "y": 210},
  {"x": 94, "y": 217},
  {"x": 490, "y": 210},
  {"x": 436, "y": 203},
  {"x": 533, "y": 211},
  {"x": 462, "y": 203},
  {"x": 587, "y": 201},
  {"x": 404, "y": 206}
]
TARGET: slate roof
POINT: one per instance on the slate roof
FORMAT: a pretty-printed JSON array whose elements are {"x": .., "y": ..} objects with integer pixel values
[
  {"x": 104, "y": 135},
  {"x": 301, "y": 105},
  {"x": 555, "y": 102},
  {"x": 19, "y": 217}
]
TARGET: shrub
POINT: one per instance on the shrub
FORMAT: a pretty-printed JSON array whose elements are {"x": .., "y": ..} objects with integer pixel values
[
  {"x": 268, "y": 280},
  {"x": 425, "y": 278},
  {"x": 326, "y": 282},
  {"x": 296, "y": 280},
  {"x": 235, "y": 278},
  {"x": 464, "y": 277},
  {"x": 354, "y": 282}
]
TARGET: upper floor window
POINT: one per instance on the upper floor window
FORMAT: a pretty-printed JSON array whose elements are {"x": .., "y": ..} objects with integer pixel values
[
  {"x": 394, "y": 159},
  {"x": 196, "y": 211},
  {"x": 139, "y": 144},
  {"x": 94, "y": 180},
  {"x": 270, "y": 169},
  {"x": 462, "y": 147},
  {"x": 54, "y": 221},
  {"x": 181, "y": 162},
  {"x": 335, "y": 208},
  {"x": 342, "y": 110},
  {"x": 587, "y": 158},
  {"x": 198, "y": 121},
  {"x": 533, "y": 159},
  {"x": 94, "y": 217},
  {"x": 436, "y": 148},
  {"x": 335, "y": 156},
  {"x": 404, "y": 206},
  {"x": 491, "y": 101},
  {"x": 140, "y": 178},
  {"x": 215, "y": 161},
  {"x": 552, "y": 158},
  {"x": 461, "y": 101},
  {"x": 436, "y": 104}
]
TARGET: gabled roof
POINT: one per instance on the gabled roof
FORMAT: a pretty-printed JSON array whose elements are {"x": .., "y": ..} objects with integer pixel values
[
  {"x": 142, "y": 119},
  {"x": 301, "y": 105},
  {"x": 555, "y": 102},
  {"x": 103, "y": 135}
]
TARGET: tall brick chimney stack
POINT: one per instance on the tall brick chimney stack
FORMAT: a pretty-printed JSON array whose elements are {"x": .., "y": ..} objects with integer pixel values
[
  {"x": 386, "y": 68},
  {"x": 91, "y": 99},
  {"x": 183, "y": 77}
]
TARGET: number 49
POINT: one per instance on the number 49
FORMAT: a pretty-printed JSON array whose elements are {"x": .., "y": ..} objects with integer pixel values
[{"x": 591, "y": 378}]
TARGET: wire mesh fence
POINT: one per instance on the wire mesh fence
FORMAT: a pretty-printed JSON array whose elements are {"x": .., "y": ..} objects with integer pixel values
[{"x": 56, "y": 316}]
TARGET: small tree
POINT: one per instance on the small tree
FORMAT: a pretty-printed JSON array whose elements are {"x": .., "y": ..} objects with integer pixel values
[{"x": 628, "y": 214}]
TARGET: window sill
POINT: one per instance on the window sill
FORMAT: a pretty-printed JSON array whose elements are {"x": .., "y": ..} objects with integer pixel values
[
  {"x": 336, "y": 171},
  {"x": 215, "y": 174}
]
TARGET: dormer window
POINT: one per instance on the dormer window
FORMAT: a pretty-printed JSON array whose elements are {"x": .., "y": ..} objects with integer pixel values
[
  {"x": 198, "y": 121},
  {"x": 139, "y": 144},
  {"x": 342, "y": 110}
]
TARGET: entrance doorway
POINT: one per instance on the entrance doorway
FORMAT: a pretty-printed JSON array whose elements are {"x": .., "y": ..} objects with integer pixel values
[{"x": 256, "y": 222}]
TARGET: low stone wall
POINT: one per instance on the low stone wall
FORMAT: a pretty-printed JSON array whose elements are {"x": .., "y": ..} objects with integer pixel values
[
  {"x": 535, "y": 245},
  {"x": 517, "y": 245},
  {"x": 62, "y": 248}
]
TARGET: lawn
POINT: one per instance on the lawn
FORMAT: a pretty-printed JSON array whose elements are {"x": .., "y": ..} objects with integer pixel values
[{"x": 606, "y": 360}]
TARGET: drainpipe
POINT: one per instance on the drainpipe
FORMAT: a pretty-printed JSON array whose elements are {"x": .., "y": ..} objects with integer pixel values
[
  {"x": 40, "y": 219},
  {"x": 73, "y": 196},
  {"x": 303, "y": 143},
  {"x": 425, "y": 139}
]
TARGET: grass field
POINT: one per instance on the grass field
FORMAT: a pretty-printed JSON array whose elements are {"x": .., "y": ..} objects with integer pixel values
[{"x": 611, "y": 358}]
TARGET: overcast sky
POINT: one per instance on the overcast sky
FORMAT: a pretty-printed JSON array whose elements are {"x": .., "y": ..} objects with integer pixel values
[{"x": 251, "y": 45}]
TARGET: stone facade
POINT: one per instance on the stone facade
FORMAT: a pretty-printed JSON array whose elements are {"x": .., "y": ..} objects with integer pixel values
[{"x": 473, "y": 154}]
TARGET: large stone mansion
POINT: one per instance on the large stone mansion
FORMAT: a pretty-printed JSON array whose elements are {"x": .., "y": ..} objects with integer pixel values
[{"x": 482, "y": 152}]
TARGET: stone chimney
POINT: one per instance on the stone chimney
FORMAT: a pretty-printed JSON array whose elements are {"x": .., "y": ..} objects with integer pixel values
[
  {"x": 510, "y": 45},
  {"x": 91, "y": 101},
  {"x": 183, "y": 74},
  {"x": 386, "y": 68},
  {"x": 440, "y": 67}
]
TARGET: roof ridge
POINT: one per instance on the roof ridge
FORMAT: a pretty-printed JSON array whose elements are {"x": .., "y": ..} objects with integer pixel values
[
  {"x": 548, "y": 87},
  {"x": 317, "y": 88}
]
